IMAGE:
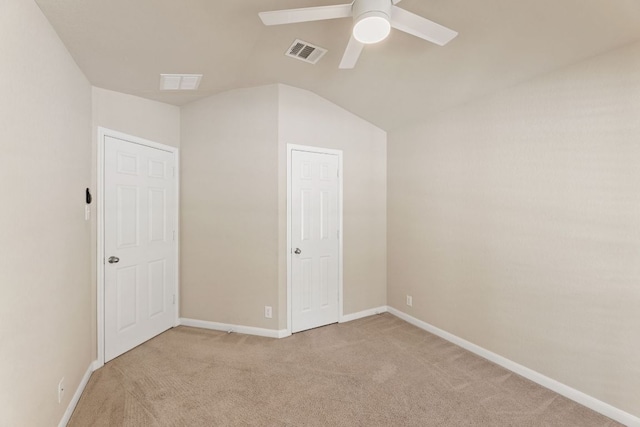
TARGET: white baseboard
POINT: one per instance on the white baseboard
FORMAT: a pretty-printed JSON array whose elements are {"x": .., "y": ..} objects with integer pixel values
[
  {"x": 76, "y": 396},
  {"x": 364, "y": 313},
  {"x": 566, "y": 391},
  {"x": 270, "y": 333},
  {"x": 239, "y": 329},
  {"x": 96, "y": 365}
]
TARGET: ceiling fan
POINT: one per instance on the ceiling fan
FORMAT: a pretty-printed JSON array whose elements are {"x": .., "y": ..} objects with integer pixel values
[{"x": 372, "y": 22}]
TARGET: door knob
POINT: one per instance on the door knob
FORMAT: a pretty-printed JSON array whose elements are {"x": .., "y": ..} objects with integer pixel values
[
  {"x": 113, "y": 259},
  {"x": 297, "y": 251}
]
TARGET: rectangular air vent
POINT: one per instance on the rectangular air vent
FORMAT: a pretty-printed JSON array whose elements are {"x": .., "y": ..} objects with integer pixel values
[
  {"x": 180, "y": 81},
  {"x": 306, "y": 52}
]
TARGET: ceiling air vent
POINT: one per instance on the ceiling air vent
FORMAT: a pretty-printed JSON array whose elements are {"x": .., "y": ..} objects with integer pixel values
[
  {"x": 180, "y": 81},
  {"x": 305, "y": 51}
]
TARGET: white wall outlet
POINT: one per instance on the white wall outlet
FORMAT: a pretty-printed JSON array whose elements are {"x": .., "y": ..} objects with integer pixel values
[
  {"x": 268, "y": 312},
  {"x": 409, "y": 300},
  {"x": 61, "y": 387}
]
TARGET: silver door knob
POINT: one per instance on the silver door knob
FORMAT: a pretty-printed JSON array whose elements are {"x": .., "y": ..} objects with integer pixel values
[
  {"x": 113, "y": 259},
  {"x": 297, "y": 251}
]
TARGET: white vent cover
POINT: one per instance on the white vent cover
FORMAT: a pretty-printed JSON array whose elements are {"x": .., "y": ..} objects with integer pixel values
[
  {"x": 180, "y": 81},
  {"x": 306, "y": 52}
]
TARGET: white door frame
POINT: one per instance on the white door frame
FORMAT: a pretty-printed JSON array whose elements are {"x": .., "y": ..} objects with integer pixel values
[
  {"x": 102, "y": 134},
  {"x": 319, "y": 150}
]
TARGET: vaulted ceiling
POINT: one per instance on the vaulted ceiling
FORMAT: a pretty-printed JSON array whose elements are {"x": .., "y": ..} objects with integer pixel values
[{"x": 124, "y": 45}]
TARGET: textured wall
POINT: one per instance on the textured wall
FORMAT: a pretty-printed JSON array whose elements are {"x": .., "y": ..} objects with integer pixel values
[
  {"x": 45, "y": 282},
  {"x": 229, "y": 210},
  {"x": 233, "y": 242},
  {"x": 136, "y": 116},
  {"x": 514, "y": 222}
]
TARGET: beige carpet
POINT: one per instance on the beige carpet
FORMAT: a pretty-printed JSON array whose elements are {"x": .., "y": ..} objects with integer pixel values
[{"x": 377, "y": 371}]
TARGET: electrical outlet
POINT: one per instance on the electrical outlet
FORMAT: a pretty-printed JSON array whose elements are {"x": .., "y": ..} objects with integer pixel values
[
  {"x": 409, "y": 300},
  {"x": 61, "y": 387},
  {"x": 268, "y": 312}
]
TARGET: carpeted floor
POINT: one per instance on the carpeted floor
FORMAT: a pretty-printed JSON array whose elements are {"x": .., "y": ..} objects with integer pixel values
[{"x": 377, "y": 371}]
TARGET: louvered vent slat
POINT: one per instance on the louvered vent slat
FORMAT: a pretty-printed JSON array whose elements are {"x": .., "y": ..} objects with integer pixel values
[
  {"x": 296, "y": 49},
  {"x": 305, "y": 52}
]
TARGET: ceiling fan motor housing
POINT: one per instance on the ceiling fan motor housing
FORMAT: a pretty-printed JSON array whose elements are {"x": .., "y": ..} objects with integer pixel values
[{"x": 372, "y": 20}]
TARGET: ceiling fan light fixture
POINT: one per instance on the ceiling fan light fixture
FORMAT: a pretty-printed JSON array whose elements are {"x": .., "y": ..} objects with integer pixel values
[
  {"x": 371, "y": 27},
  {"x": 372, "y": 22}
]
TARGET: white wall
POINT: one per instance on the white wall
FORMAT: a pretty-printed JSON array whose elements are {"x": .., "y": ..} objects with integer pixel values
[
  {"x": 514, "y": 222},
  {"x": 45, "y": 282},
  {"x": 233, "y": 229},
  {"x": 308, "y": 119},
  {"x": 136, "y": 116},
  {"x": 229, "y": 207}
]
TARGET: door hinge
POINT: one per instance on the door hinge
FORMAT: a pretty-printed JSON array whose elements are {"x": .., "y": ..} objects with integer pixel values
[
  {"x": 173, "y": 171},
  {"x": 174, "y": 299},
  {"x": 174, "y": 235},
  {"x": 338, "y": 173}
]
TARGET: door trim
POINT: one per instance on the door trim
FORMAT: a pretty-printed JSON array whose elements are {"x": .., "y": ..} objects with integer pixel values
[
  {"x": 100, "y": 276},
  {"x": 319, "y": 150}
]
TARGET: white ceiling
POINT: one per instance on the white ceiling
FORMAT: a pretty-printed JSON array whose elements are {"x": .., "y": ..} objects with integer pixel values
[{"x": 124, "y": 45}]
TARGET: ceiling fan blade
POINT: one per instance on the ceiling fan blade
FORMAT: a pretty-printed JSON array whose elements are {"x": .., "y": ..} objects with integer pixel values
[
  {"x": 351, "y": 54},
  {"x": 421, "y": 27},
  {"x": 305, "y": 14}
]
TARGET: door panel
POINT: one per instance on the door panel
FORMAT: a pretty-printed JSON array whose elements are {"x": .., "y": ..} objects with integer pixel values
[
  {"x": 314, "y": 231},
  {"x": 128, "y": 213},
  {"x": 127, "y": 297},
  {"x": 140, "y": 220},
  {"x": 157, "y": 287}
]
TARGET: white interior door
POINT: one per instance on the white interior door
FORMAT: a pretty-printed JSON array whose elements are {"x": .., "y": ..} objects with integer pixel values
[
  {"x": 139, "y": 244},
  {"x": 315, "y": 246}
]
